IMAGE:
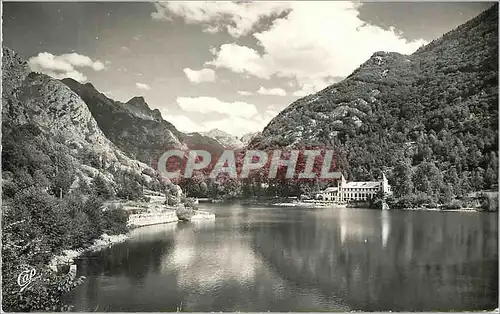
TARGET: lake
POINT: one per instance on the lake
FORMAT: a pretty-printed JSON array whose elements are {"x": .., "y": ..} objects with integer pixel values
[{"x": 259, "y": 258}]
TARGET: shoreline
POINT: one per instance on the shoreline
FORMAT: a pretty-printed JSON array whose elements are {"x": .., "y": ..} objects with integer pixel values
[
  {"x": 465, "y": 210},
  {"x": 67, "y": 257},
  {"x": 306, "y": 205}
]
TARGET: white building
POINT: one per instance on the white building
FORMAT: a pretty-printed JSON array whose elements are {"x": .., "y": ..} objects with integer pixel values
[{"x": 355, "y": 191}]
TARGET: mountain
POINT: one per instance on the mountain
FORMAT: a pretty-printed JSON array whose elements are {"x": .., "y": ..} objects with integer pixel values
[
  {"x": 139, "y": 107},
  {"x": 140, "y": 131},
  {"x": 136, "y": 129},
  {"x": 437, "y": 107},
  {"x": 248, "y": 137},
  {"x": 48, "y": 129},
  {"x": 199, "y": 141},
  {"x": 225, "y": 139}
]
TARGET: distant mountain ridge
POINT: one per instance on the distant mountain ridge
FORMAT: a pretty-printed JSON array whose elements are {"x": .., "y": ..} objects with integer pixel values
[{"x": 225, "y": 139}]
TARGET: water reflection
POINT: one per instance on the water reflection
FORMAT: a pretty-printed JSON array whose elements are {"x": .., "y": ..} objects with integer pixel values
[
  {"x": 206, "y": 263},
  {"x": 430, "y": 261},
  {"x": 259, "y": 259},
  {"x": 386, "y": 227}
]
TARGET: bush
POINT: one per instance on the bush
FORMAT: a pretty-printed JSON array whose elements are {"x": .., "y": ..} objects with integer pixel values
[
  {"x": 44, "y": 222},
  {"x": 454, "y": 204},
  {"x": 115, "y": 221},
  {"x": 93, "y": 209},
  {"x": 184, "y": 213},
  {"x": 190, "y": 203},
  {"x": 34, "y": 228},
  {"x": 43, "y": 294},
  {"x": 79, "y": 228},
  {"x": 102, "y": 188},
  {"x": 489, "y": 202}
]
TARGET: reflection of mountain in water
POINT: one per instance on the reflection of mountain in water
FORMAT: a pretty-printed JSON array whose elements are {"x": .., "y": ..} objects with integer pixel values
[
  {"x": 133, "y": 260},
  {"x": 222, "y": 272},
  {"x": 122, "y": 269},
  {"x": 389, "y": 260}
]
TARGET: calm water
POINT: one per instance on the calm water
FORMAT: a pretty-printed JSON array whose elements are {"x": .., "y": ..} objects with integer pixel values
[{"x": 255, "y": 258}]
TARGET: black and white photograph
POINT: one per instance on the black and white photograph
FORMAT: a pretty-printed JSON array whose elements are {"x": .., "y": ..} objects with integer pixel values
[{"x": 249, "y": 156}]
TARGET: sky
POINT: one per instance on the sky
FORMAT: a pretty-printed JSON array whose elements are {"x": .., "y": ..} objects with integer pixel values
[{"x": 226, "y": 65}]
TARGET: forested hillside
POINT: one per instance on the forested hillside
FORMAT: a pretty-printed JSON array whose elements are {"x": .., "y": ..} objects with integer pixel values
[{"x": 429, "y": 120}]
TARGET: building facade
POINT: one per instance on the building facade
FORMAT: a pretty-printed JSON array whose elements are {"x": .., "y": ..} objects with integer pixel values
[{"x": 355, "y": 191}]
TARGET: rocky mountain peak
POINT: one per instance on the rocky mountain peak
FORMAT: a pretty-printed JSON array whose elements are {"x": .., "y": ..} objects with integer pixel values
[
  {"x": 138, "y": 101},
  {"x": 89, "y": 85},
  {"x": 138, "y": 106},
  {"x": 133, "y": 126},
  {"x": 225, "y": 139}
]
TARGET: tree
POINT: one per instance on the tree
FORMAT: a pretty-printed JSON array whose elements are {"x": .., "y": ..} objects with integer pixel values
[
  {"x": 128, "y": 188},
  {"x": 64, "y": 175},
  {"x": 94, "y": 208},
  {"x": 446, "y": 194},
  {"x": 428, "y": 179},
  {"x": 491, "y": 174},
  {"x": 102, "y": 188},
  {"x": 115, "y": 221},
  {"x": 402, "y": 175}
]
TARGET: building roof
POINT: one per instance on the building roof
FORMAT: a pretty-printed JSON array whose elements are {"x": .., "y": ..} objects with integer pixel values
[
  {"x": 364, "y": 185},
  {"x": 331, "y": 189}
]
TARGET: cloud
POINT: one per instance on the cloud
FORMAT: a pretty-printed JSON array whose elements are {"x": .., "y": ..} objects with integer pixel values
[
  {"x": 80, "y": 61},
  {"x": 244, "y": 93},
  {"x": 308, "y": 89},
  {"x": 142, "y": 86},
  {"x": 203, "y": 75},
  {"x": 315, "y": 86},
  {"x": 183, "y": 123},
  {"x": 210, "y": 104},
  {"x": 271, "y": 113},
  {"x": 233, "y": 124},
  {"x": 240, "y": 59},
  {"x": 272, "y": 91},
  {"x": 64, "y": 65},
  {"x": 237, "y": 18},
  {"x": 311, "y": 43}
]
